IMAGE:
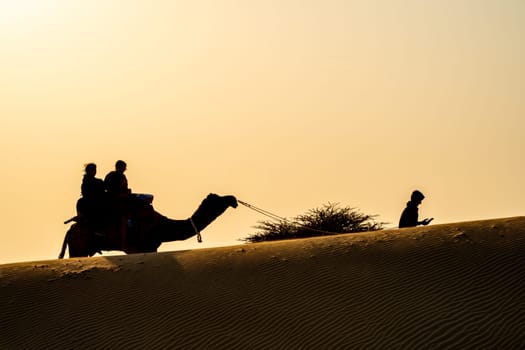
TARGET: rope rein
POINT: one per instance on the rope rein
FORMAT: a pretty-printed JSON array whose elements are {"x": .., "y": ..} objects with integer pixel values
[
  {"x": 270, "y": 215},
  {"x": 280, "y": 218},
  {"x": 262, "y": 211}
]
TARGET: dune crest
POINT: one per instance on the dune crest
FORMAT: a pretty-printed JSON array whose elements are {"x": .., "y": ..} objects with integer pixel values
[{"x": 451, "y": 286}]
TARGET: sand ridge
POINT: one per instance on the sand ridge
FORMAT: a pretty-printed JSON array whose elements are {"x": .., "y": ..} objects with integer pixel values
[{"x": 436, "y": 287}]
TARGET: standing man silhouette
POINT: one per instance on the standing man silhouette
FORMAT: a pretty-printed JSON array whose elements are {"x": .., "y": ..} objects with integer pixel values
[{"x": 409, "y": 217}]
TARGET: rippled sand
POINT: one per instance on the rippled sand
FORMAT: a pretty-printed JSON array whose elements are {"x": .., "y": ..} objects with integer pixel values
[{"x": 452, "y": 286}]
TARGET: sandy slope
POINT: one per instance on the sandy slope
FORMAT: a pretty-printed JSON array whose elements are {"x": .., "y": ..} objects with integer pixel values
[{"x": 455, "y": 286}]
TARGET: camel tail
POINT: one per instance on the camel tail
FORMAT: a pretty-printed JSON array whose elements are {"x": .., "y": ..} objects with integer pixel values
[{"x": 64, "y": 244}]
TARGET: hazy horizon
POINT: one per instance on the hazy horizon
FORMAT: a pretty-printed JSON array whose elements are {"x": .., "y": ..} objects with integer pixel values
[{"x": 287, "y": 105}]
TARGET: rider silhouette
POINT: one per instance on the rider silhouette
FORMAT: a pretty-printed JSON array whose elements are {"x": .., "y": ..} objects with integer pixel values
[
  {"x": 116, "y": 182},
  {"x": 92, "y": 189}
]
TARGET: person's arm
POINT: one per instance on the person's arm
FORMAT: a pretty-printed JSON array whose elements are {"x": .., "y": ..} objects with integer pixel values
[{"x": 426, "y": 221}]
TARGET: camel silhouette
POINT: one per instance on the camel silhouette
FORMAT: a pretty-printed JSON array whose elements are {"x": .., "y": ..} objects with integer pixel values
[{"x": 148, "y": 231}]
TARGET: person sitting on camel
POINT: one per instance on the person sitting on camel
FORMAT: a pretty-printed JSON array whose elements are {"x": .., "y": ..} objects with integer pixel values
[
  {"x": 119, "y": 194},
  {"x": 90, "y": 206},
  {"x": 116, "y": 182}
]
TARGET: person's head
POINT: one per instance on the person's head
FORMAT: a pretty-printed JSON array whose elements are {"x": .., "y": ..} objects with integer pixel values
[
  {"x": 417, "y": 197},
  {"x": 90, "y": 169},
  {"x": 120, "y": 166}
]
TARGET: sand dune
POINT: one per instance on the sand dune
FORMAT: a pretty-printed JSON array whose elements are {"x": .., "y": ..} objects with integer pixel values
[{"x": 454, "y": 286}]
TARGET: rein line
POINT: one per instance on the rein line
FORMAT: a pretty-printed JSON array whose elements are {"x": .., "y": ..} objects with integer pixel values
[
  {"x": 199, "y": 237},
  {"x": 282, "y": 219}
]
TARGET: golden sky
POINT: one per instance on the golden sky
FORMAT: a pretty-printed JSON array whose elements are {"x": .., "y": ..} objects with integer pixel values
[{"x": 286, "y": 104}]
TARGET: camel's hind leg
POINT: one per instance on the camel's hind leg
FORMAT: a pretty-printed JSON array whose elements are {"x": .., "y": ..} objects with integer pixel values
[{"x": 78, "y": 242}]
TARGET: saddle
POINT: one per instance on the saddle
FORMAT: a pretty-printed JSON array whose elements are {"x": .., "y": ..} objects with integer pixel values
[{"x": 111, "y": 220}]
